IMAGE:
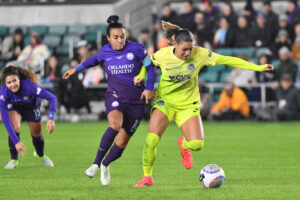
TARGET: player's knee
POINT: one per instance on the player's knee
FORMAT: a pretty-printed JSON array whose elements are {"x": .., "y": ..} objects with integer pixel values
[
  {"x": 16, "y": 128},
  {"x": 196, "y": 145},
  {"x": 115, "y": 125}
]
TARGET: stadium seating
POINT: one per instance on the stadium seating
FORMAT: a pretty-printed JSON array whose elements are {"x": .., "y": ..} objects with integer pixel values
[
  {"x": 90, "y": 37},
  {"x": 209, "y": 76},
  {"x": 13, "y": 28},
  {"x": 41, "y": 29},
  {"x": 276, "y": 63},
  {"x": 58, "y": 29},
  {"x": 77, "y": 29},
  {"x": 247, "y": 51},
  {"x": 3, "y": 31},
  {"x": 225, "y": 51},
  {"x": 52, "y": 40},
  {"x": 97, "y": 27},
  {"x": 66, "y": 40}
]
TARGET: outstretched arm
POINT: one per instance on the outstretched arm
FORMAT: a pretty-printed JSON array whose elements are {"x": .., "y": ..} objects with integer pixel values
[
  {"x": 240, "y": 63},
  {"x": 92, "y": 61}
]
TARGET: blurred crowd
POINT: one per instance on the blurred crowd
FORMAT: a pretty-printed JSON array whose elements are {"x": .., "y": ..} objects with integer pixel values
[{"x": 275, "y": 37}]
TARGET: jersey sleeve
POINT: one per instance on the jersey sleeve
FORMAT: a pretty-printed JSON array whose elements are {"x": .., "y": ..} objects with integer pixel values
[
  {"x": 91, "y": 62},
  {"x": 141, "y": 52},
  {"x": 44, "y": 94},
  {"x": 156, "y": 57},
  {"x": 6, "y": 119},
  {"x": 209, "y": 56}
]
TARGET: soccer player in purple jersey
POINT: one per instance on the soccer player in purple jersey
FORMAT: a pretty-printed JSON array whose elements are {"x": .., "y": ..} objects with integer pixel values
[
  {"x": 20, "y": 99},
  {"x": 124, "y": 105}
]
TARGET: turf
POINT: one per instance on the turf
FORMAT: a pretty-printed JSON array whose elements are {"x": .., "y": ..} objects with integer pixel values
[{"x": 261, "y": 161}]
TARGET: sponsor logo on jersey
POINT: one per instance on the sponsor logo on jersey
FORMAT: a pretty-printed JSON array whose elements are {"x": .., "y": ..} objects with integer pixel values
[
  {"x": 191, "y": 67},
  {"x": 115, "y": 104},
  {"x": 38, "y": 91},
  {"x": 180, "y": 78},
  {"x": 130, "y": 56}
]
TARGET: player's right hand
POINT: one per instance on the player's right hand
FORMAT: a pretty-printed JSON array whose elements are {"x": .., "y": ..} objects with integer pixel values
[
  {"x": 21, "y": 148},
  {"x": 138, "y": 81},
  {"x": 69, "y": 73}
]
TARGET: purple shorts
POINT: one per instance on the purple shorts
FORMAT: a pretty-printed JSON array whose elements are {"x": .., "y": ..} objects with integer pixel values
[
  {"x": 29, "y": 115},
  {"x": 132, "y": 113}
]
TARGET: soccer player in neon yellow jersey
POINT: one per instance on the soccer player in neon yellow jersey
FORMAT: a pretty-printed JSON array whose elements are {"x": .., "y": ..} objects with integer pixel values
[{"x": 178, "y": 95}]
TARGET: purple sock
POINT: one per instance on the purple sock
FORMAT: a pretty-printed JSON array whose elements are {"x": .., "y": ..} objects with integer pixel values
[
  {"x": 105, "y": 143},
  {"x": 12, "y": 149},
  {"x": 114, "y": 153},
  {"x": 39, "y": 143}
]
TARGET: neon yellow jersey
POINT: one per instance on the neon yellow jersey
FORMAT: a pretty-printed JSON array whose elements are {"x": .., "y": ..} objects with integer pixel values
[{"x": 178, "y": 85}]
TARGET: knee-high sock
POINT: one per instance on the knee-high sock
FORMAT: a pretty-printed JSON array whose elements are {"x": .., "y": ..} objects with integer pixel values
[
  {"x": 105, "y": 143},
  {"x": 194, "y": 145},
  {"x": 39, "y": 143},
  {"x": 149, "y": 153},
  {"x": 114, "y": 153},
  {"x": 12, "y": 149}
]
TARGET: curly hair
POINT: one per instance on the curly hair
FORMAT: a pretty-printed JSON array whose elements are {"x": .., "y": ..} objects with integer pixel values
[{"x": 22, "y": 72}]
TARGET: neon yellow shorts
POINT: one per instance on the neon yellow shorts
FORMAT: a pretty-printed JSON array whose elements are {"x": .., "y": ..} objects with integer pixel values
[{"x": 180, "y": 114}]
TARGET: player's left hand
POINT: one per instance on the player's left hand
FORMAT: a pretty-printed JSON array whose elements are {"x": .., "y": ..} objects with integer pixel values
[
  {"x": 138, "y": 81},
  {"x": 50, "y": 126},
  {"x": 269, "y": 68},
  {"x": 148, "y": 95}
]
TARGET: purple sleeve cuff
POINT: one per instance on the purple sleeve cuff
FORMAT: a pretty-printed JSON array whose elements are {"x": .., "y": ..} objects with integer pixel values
[
  {"x": 151, "y": 77},
  {"x": 79, "y": 67}
]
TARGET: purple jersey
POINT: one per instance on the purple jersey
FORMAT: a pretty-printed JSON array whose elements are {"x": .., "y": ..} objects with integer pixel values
[
  {"x": 28, "y": 97},
  {"x": 121, "y": 67}
]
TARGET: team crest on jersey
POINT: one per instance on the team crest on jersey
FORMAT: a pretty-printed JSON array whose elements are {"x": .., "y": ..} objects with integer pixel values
[
  {"x": 191, "y": 67},
  {"x": 115, "y": 104},
  {"x": 2, "y": 98},
  {"x": 130, "y": 56},
  {"x": 25, "y": 98},
  {"x": 38, "y": 91},
  {"x": 160, "y": 103}
]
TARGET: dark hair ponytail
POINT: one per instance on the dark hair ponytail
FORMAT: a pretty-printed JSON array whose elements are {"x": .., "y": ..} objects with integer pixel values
[
  {"x": 113, "y": 22},
  {"x": 22, "y": 72},
  {"x": 176, "y": 33}
]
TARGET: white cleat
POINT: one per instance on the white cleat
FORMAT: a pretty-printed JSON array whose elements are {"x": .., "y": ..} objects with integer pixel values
[
  {"x": 11, "y": 164},
  {"x": 47, "y": 161},
  {"x": 92, "y": 170},
  {"x": 105, "y": 175}
]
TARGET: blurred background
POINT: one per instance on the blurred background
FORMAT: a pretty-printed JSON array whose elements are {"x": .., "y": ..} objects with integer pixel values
[{"x": 67, "y": 32}]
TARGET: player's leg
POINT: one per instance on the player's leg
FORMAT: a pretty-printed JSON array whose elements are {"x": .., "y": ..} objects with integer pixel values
[
  {"x": 193, "y": 139},
  {"x": 158, "y": 123},
  {"x": 115, "y": 153},
  {"x": 132, "y": 116},
  {"x": 38, "y": 142},
  {"x": 115, "y": 120},
  {"x": 15, "y": 119}
]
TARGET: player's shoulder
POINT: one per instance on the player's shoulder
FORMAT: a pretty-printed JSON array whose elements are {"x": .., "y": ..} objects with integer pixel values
[
  {"x": 134, "y": 46},
  {"x": 4, "y": 91},
  {"x": 166, "y": 51}
]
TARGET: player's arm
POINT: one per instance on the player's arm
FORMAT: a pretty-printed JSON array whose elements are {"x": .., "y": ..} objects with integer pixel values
[
  {"x": 20, "y": 147},
  {"x": 45, "y": 94},
  {"x": 240, "y": 63},
  {"x": 148, "y": 68},
  {"x": 92, "y": 61}
]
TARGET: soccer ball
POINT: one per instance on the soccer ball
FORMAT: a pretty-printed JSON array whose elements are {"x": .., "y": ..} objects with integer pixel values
[{"x": 212, "y": 176}]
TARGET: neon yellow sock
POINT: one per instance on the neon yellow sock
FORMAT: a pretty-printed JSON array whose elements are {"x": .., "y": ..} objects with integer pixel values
[
  {"x": 194, "y": 145},
  {"x": 149, "y": 153}
]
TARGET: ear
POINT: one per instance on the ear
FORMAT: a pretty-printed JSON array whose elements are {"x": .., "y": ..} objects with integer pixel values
[{"x": 108, "y": 38}]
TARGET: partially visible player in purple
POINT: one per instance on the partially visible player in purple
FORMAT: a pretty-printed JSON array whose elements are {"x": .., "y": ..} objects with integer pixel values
[
  {"x": 124, "y": 101},
  {"x": 20, "y": 99}
]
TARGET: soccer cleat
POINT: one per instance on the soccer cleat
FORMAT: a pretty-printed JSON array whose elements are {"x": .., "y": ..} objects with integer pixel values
[
  {"x": 45, "y": 160},
  {"x": 11, "y": 164},
  {"x": 145, "y": 182},
  {"x": 186, "y": 156},
  {"x": 105, "y": 175},
  {"x": 92, "y": 170}
]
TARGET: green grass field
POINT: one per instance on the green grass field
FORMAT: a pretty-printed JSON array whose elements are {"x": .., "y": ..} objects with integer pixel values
[{"x": 261, "y": 161}]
